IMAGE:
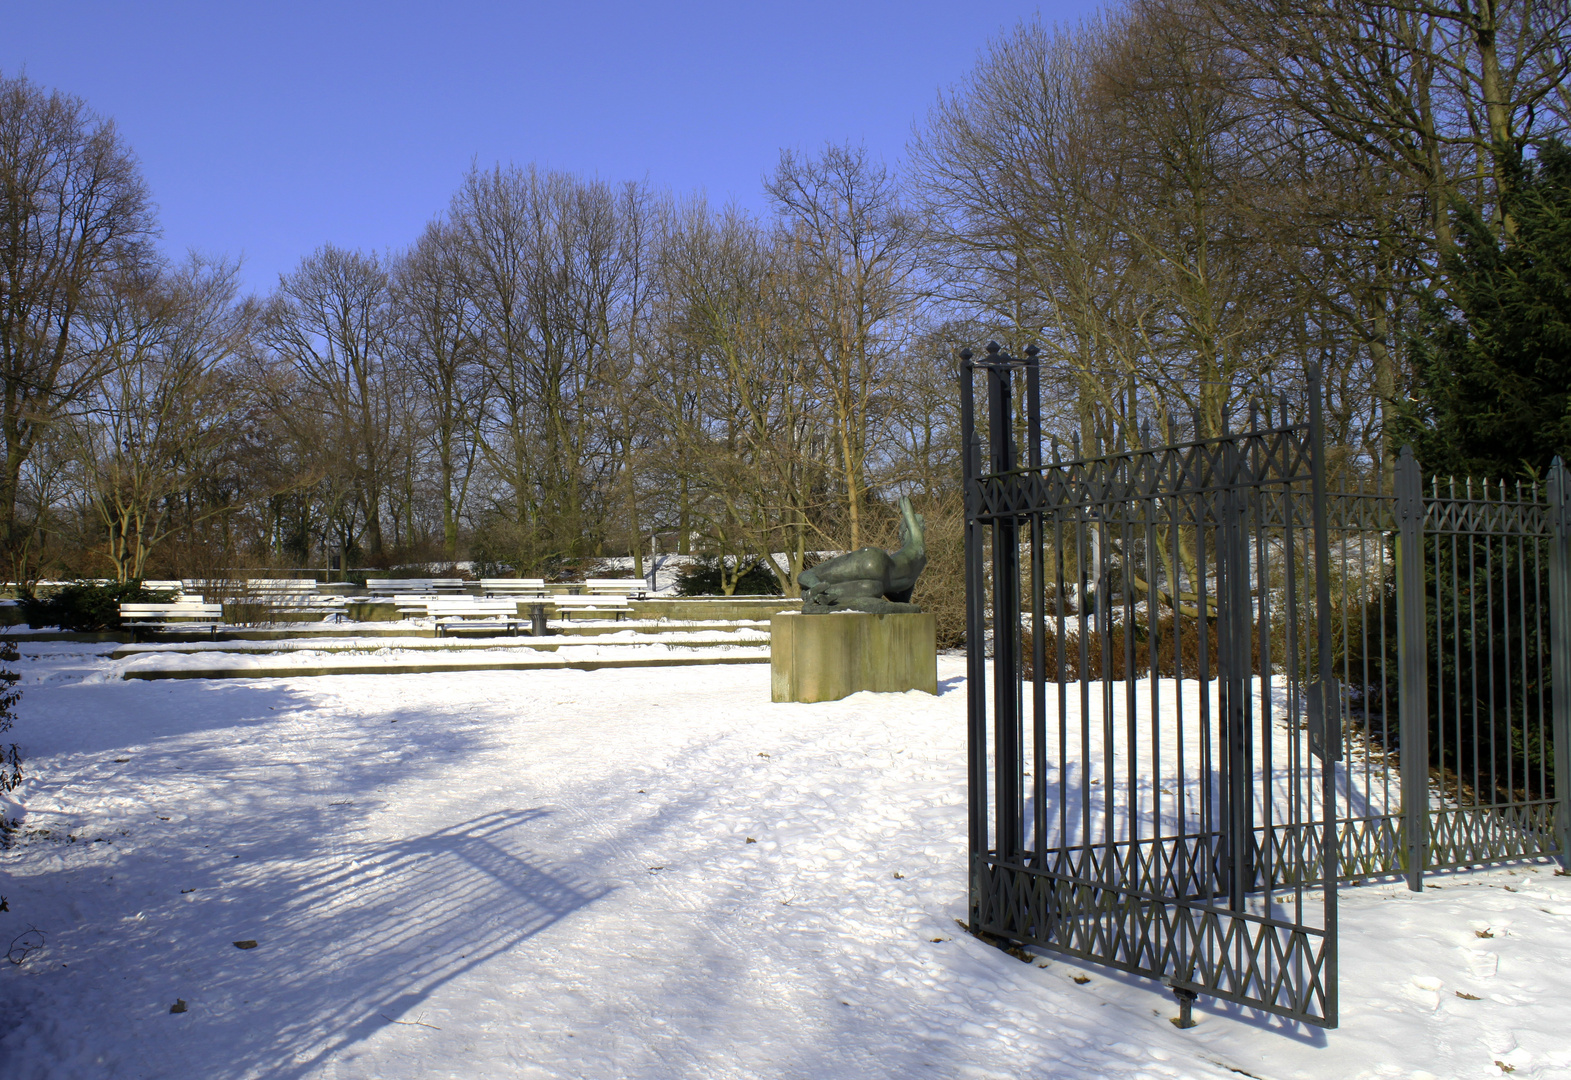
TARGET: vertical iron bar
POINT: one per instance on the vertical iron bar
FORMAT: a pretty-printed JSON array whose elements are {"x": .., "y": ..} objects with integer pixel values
[
  {"x": 1204, "y": 520},
  {"x": 1560, "y": 650},
  {"x": 1328, "y": 822},
  {"x": 976, "y": 662},
  {"x": 1473, "y": 679},
  {"x": 1437, "y": 753},
  {"x": 1492, "y": 702},
  {"x": 1521, "y": 650},
  {"x": 1233, "y": 669},
  {"x": 1061, "y": 658},
  {"x": 1412, "y": 667},
  {"x": 1038, "y": 590}
]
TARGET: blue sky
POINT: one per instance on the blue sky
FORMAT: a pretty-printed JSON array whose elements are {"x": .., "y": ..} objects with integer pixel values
[{"x": 265, "y": 130}]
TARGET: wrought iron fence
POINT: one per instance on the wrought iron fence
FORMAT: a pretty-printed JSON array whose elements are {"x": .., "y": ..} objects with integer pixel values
[
  {"x": 1248, "y": 681},
  {"x": 1448, "y": 648}
]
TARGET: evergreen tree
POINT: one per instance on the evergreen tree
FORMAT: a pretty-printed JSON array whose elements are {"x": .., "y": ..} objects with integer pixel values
[{"x": 1492, "y": 358}]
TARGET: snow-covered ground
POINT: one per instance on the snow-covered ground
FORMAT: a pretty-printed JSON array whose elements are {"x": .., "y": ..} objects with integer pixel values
[
  {"x": 623, "y": 873},
  {"x": 371, "y": 655}
]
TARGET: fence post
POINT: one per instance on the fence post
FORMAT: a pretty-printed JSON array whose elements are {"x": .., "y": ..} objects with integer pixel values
[
  {"x": 1236, "y": 669},
  {"x": 1008, "y": 797},
  {"x": 1412, "y": 667},
  {"x": 976, "y": 668},
  {"x": 1560, "y": 650}
]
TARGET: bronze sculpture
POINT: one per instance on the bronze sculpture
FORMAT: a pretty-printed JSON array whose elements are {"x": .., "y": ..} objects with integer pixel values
[{"x": 869, "y": 579}]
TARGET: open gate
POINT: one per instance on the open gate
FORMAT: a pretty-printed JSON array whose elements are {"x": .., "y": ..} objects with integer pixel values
[{"x": 1152, "y": 777}]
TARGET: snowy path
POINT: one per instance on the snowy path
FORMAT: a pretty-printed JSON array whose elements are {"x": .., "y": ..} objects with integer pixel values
[{"x": 548, "y": 874}]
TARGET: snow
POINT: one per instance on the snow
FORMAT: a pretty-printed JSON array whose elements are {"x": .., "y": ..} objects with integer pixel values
[
  {"x": 370, "y": 655},
  {"x": 667, "y": 569},
  {"x": 753, "y": 634},
  {"x": 548, "y": 874}
]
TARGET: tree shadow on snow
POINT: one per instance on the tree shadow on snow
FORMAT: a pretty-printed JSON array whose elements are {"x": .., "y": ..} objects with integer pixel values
[
  {"x": 353, "y": 943},
  {"x": 241, "y": 819}
]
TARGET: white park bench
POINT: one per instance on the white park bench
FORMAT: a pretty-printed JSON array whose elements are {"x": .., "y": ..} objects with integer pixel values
[
  {"x": 635, "y": 588},
  {"x": 410, "y": 606},
  {"x": 473, "y": 613},
  {"x": 417, "y": 606},
  {"x": 173, "y": 585},
  {"x": 527, "y": 587},
  {"x": 183, "y": 614},
  {"x": 616, "y": 606},
  {"x": 415, "y": 586}
]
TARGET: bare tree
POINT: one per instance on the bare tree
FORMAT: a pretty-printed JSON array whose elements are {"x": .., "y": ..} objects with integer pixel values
[
  {"x": 629, "y": 335},
  {"x": 1445, "y": 94},
  {"x": 1401, "y": 109},
  {"x": 151, "y": 429},
  {"x": 558, "y": 272},
  {"x": 854, "y": 248},
  {"x": 441, "y": 336},
  {"x": 746, "y": 428},
  {"x": 329, "y": 324},
  {"x": 1100, "y": 190},
  {"x": 1011, "y": 170},
  {"x": 73, "y": 213}
]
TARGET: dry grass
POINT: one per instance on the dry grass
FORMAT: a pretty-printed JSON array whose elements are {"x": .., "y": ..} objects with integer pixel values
[
  {"x": 941, "y": 590},
  {"x": 1124, "y": 648}
]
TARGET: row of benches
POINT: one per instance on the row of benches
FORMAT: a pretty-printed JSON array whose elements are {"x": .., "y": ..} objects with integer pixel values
[
  {"x": 301, "y": 589},
  {"x": 633, "y": 588},
  {"x": 445, "y": 610},
  {"x": 446, "y": 600}
]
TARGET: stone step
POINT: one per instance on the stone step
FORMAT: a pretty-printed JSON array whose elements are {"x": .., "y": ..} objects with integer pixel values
[
  {"x": 427, "y": 668},
  {"x": 758, "y": 637}
]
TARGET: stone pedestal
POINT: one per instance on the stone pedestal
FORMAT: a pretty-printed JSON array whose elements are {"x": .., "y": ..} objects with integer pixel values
[{"x": 828, "y": 657}]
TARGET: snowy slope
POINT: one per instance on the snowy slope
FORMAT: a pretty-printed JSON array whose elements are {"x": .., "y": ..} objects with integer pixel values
[{"x": 548, "y": 874}]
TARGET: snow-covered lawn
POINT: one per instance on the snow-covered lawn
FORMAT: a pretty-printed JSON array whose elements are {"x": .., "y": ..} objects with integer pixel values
[{"x": 623, "y": 873}]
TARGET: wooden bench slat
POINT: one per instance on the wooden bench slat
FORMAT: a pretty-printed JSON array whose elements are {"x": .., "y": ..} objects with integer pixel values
[
  {"x": 198, "y": 609},
  {"x": 566, "y": 605},
  {"x": 513, "y": 586},
  {"x": 135, "y": 615},
  {"x": 473, "y": 613},
  {"x": 633, "y": 587}
]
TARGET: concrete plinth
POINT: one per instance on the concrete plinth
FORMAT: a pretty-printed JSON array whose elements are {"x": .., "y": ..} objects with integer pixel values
[{"x": 828, "y": 657}]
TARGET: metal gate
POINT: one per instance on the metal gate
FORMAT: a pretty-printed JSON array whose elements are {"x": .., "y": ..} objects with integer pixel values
[
  {"x": 1206, "y": 684},
  {"x": 1163, "y": 803}
]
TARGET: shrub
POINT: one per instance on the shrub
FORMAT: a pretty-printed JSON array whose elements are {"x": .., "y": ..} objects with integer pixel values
[
  {"x": 10, "y": 758},
  {"x": 701, "y": 577},
  {"x": 88, "y": 605},
  {"x": 1110, "y": 652},
  {"x": 941, "y": 589}
]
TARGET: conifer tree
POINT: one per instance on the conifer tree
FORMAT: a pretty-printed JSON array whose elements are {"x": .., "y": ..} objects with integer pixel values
[{"x": 1492, "y": 355}]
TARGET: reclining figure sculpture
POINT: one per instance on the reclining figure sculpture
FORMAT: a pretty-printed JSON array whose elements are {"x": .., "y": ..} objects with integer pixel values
[{"x": 869, "y": 579}]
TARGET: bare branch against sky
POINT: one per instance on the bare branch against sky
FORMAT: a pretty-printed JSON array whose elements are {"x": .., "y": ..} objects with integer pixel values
[{"x": 265, "y": 130}]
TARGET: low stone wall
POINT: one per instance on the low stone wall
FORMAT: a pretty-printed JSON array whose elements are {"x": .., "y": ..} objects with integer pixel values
[
  {"x": 722, "y": 608},
  {"x": 366, "y": 612}
]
